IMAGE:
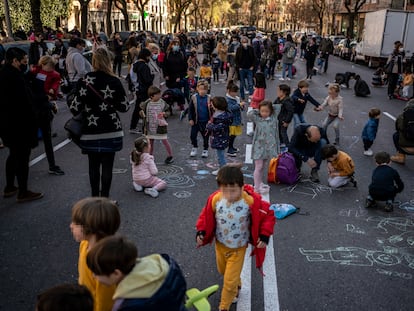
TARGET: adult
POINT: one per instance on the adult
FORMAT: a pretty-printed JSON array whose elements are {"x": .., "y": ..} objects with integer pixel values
[
  {"x": 103, "y": 36},
  {"x": 222, "y": 49},
  {"x": 17, "y": 125},
  {"x": 272, "y": 54},
  {"x": 175, "y": 65},
  {"x": 99, "y": 96},
  {"x": 37, "y": 49},
  {"x": 311, "y": 51},
  {"x": 153, "y": 65},
  {"x": 303, "y": 45},
  {"x": 245, "y": 61},
  {"x": 258, "y": 47},
  {"x": 326, "y": 48},
  {"x": 75, "y": 32},
  {"x": 144, "y": 81},
  {"x": 306, "y": 146},
  {"x": 77, "y": 66},
  {"x": 404, "y": 136},
  {"x": 231, "y": 55},
  {"x": 59, "y": 53},
  {"x": 395, "y": 64},
  {"x": 288, "y": 57},
  {"x": 117, "y": 46}
]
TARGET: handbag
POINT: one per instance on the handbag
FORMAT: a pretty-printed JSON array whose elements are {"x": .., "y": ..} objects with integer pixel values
[
  {"x": 389, "y": 66},
  {"x": 74, "y": 128},
  {"x": 162, "y": 126}
]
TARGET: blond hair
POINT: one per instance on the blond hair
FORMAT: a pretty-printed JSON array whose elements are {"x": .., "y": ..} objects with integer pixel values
[
  {"x": 334, "y": 87},
  {"x": 102, "y": 60},
  {"x": 153, "y": 47},
  {"x": 46, "y": 60}
]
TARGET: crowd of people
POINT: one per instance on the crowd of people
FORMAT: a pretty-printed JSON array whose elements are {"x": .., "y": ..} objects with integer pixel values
[{"x": 96, "y": 95}]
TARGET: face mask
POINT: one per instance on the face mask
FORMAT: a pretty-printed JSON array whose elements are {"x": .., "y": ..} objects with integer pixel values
[
  {"x": 176, "y": 48},
  {"x": 155, "y": 56},
  {"x": 23, "y": 68},
  {"x": 244, "y": 45},
  {"x": 401, "y": 50}
]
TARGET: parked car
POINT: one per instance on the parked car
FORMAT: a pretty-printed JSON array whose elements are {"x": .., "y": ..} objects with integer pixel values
[
  {"x": 357, "y": 55},
  {"x": 344, "y": 51}
]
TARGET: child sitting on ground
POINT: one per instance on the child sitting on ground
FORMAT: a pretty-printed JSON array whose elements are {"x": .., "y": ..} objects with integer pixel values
[
  {"x": 234, "y": 216},
  {"x": 155, "y": 280},
  {"x": 144, "y": 170},
  {"x": 407, "y": 85},
  {"x": 378, "y": 77},
  {"x": 340, "y": 166},
  {"x": 385, "y": 183}
]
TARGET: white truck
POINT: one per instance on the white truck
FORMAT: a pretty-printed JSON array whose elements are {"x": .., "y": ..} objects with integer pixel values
[{"x": 381, "y": 29}]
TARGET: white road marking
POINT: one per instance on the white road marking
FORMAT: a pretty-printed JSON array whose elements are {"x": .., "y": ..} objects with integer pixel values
[
  {"x": 248, "y": 157},
  {"x": 390, "y": 116},
  {"x": 245, "y": 295},
  {"x": 43, "y": 155}
]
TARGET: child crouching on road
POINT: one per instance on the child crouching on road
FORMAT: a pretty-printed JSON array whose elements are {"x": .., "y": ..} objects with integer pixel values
[
  {"x": 144, "y": 170},
  {"x": 341, "y": 167},
  {"x": 234, "y": 215},
  {"x": 385, "y": 183},
  {"x": 153, "y": 282}
]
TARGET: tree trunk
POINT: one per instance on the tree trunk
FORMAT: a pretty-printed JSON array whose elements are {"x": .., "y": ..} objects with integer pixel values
[
  {"x": 320, "y": 24},
  {"x": 109, "y": 18},
  {"x": 143, "y": 20},
  {"x": 350, "y": 30},
  {"x": 126, "y": 19},
  {"x": 36, "y": 20},
  {"x": 84, "y": 18}
]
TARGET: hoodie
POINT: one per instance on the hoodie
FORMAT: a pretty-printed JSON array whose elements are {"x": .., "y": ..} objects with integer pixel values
[{"x": 77, "y": 66}]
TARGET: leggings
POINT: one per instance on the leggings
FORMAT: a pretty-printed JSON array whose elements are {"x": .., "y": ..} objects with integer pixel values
[
  {"x": 100, "y": 180},
  {"x": 259, "y": 166},
  {"x": 152, "y": 182},
  {"x": 166, "y": 145}
]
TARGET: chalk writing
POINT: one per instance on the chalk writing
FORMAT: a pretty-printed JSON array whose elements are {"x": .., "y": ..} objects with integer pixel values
[
  {"x": 353, "y": 212},
  {"x": 354, "y": 229},
  {"x": 119, "y": 171},
  {"x": 407, "y": 206},
  {"x": 309, "y": 188},
  {"x": 406, "y": 276},
  {"x": 386, "y": 223},
  {"x": 182, "y": 194}
]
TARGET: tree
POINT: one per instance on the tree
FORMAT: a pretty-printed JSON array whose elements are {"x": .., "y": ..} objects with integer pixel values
[
  {"x": 122, "y": 5},
  {"x": 178, "y": 7},
  {"x": 36, "y": 20},
  {"x": 84, "y": 15},
  {"x": 353, "y": 9},
  {"x": 141, "y": 4},
  {"x": 109, "y": 4},
  {"x": 319, "y": 6}
]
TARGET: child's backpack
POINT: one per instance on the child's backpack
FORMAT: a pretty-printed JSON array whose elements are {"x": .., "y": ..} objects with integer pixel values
[
  {"x": 271, "y": 172},
  {"x": 283, "y": 169},
  {"x": 408, "y": 124},
  {"x": 216, "y": 63}
]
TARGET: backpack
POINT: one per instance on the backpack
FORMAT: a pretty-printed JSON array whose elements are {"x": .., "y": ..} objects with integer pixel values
[
  {"x": 408, "y": 124},
  {"x": 271, "y": 172},
  {"x": 132, "y": 80},
  {"x": 286, "y": 170},
  {"x": 291, "y": 52}
]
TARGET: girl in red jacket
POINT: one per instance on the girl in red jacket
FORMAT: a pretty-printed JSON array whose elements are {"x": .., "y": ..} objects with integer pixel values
[
  {"x": 259, "y": 93},
  {"x": 234, "y": 216},
  {"x": 45, "y": 71}
]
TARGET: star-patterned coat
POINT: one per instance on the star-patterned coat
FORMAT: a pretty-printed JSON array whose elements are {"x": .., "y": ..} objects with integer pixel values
[{"x": 101, "y": 122}]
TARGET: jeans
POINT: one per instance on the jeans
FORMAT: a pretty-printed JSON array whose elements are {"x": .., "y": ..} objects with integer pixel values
[
  {"x": 221, "y": 157},
  {"x": 335, "y": 123},
  {"x": 315, "y": 152},
  {"x": 100, "y": 180},
  {"x": 283, "y": 136},
  {"x": 17, "y": 166},
  {"x": 195, "y": 129},
  {"x": 246, "y": 74},
  {"x": 298, "y": 118},
  {"x": 289, "y": 69},
  {"x": 368, "y": 144}
]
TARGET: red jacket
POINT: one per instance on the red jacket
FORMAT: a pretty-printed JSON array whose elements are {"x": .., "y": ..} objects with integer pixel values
[
  {"x": 52, "y": 81},
  {"x": 262, "y": 222},
  {"x": 257, "y": 97}
]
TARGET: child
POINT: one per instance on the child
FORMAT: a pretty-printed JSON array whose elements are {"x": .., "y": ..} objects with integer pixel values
[
  {"x": 153, "y": 282},
  {"x": 335, "y": 110},
  {"x": 218, "y": 129},
  {"x": 234, "y": 215},
  {"x": 206, "y": 72},
  {"x": 259, "y": 90},
  {"x": 144, "y": 170},
  {"x": 193, "y": 60},
  {"x": 92, "y": 220},
  {"x": 235, "y": 107},
  {"x": 154, "y": 111},
  {"x": 407, "y": 84},
  {"x": 385, "y": 183},
  {"x": 66, "y": 297},
  {"x": 286, "y": 113},
  {"x": 49, "y": 80},
  {"x": 199, "y": 114},
  {"x": 265, "y": 140},
  {"x": 190, "y": 85},
  {"x": 378, "y": 77},
  {"x": 216, "y": 66},
  {"x": 340, "y": 166},
  {"x": 300, "y": 97},
  {"x": 370, "y": 130}
]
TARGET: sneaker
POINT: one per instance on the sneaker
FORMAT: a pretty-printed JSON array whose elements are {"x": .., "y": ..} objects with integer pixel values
[
  {"x": 215, "y": 172},
  {"x": 169, "y": 160},
  {"x": 55, "y": 170},
  {"x": 369, "y": 203},
  {"x": 263, "y": 189},
  {"x": 193, "y": 152},
  {"x": 28, "y": 196},
  {"x": 204, "y": 154},
  {"x": 388, "y": 207},
  {"x": 353, "y": 181},
  {"x": 151, "y": 192},
  {"x": 137, "y": 187},
  {"x": 134, "y": 131},
  {"x": 281, "y": 79},
  {"x": 235, "y": 299},
  {"x": 10, "y": 191},
  {"x": 368, "y": 152},
  {"x": 314, "y": 175},
  {"x": 288, "y": 79},
  {"x": 231, "y": 153}
]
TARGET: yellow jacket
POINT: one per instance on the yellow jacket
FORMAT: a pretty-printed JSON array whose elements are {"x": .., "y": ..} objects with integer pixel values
[
  {"x": 205, "y": 72},
  {"x": 343, "y": 164}
]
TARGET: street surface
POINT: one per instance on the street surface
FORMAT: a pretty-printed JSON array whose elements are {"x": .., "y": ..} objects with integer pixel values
[{"x": 339, "y": 256}]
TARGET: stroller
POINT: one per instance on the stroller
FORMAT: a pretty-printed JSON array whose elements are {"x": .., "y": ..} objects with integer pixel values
[{"x": 172, "y": 96}]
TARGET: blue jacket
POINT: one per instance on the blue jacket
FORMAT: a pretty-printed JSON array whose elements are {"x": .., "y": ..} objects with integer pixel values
[
  {"x": 219, "y": 130},
  {"x": 186, "y": 84},
  {"x": 298, "y": 107},
  {"x": 234, "y": 107},
  {"x": 370, "y": 129}
]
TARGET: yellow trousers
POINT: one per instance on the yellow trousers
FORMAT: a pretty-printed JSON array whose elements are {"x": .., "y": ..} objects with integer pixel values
[{"x": 229, "y": 264}]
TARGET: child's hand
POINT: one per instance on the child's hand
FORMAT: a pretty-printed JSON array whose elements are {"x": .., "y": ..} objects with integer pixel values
[
  {"x": 341, "y": 118},
  {"x": 191, "y": 122},
  {"x": 51, "y": 91},
  {"x": 317, "y": 109},
  {"x": 301, "y": 100},
  {"x": 161, "y": 115},
  {"x": 200, "y": 238},
  {"x": 260, "y": 244}
]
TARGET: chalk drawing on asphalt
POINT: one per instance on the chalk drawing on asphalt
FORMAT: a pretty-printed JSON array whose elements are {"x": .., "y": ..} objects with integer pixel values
[
  {"x": 406, "y": 206},
  {"x": 387, "y": 223},
  {"x": 405, "y": 276},
  {"x": 354, "y": 229},
  {"x": 174, "y": 177},
  {"x": 182, "y": 194},
  {"x": 309, "y": 188}
]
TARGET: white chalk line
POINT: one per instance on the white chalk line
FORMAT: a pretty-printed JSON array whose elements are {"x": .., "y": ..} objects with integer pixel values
[
  {"x": 55, "y": 148},
  {"x": 390, "y": 116}
]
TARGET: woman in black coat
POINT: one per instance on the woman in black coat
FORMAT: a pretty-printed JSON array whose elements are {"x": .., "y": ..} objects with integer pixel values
[
  {"x": 311, "y": 52},
  {"x": 175, "y": 65}
]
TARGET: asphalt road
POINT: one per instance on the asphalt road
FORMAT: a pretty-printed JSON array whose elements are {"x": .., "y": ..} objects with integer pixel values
[{"x": 338, "y": 257}]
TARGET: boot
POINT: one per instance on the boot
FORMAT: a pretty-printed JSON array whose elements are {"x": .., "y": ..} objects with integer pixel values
[{"x": 398, "y": 158}]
